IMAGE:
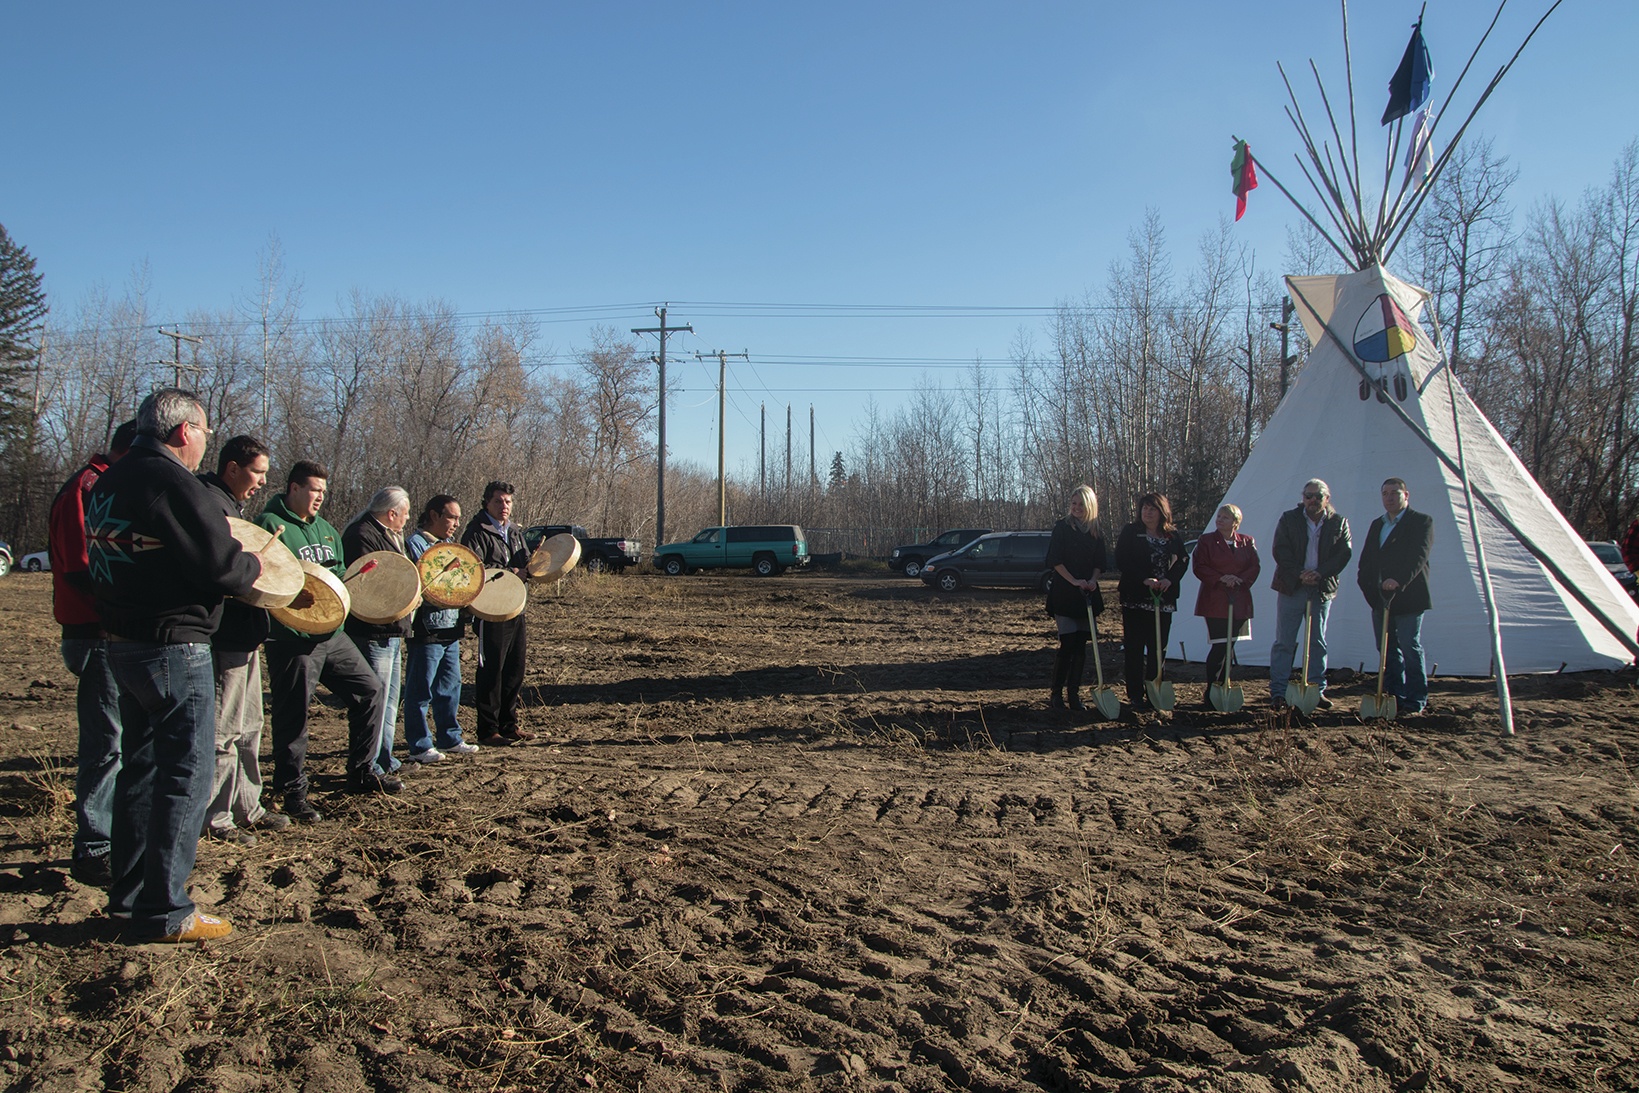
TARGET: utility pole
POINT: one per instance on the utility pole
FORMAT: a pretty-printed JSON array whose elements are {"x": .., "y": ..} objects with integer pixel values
[
  {"x": 1285, "y": 328},
  {"x": 177, "y": 338},
  {"x": 722, "y": 425},
  {"x": 660, "y": 453},
  {"x": 762, "y": 451},
  {"x": 813, "y": 471}
]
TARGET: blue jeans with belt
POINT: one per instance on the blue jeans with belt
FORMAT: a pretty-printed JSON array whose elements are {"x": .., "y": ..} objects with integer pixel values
[
  {"x": 97, "y": 703},
  {"x": 168, "y": 757},
  {"x": 1284, "y": 657},
  {"x": 432, "y": 678}
]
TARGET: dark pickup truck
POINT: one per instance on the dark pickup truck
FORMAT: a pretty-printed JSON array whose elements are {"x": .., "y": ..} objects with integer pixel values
[
  {"x": 596, "y": 555},
  {"x": 910, "y": 559}
]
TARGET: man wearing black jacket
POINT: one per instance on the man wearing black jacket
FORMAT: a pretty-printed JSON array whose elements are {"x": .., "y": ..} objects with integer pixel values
[
  {"x": 1393, "y": 575},
  {"x": 235, "y": 812},
  {"x": 161, "y": 561},
  {"x": 1312, "y": 547},
  {"x": 501, "y": 645}
]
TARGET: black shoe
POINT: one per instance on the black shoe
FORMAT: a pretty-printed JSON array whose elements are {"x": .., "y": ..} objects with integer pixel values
[
  {"x": 297, "y": 808},
  {"x": 370, "y": 782},
  {"x": 495, "y": 740},
  {"x": 1074, "y": 702},
  {"x": 92, "y": 870},
  {"x": 1323, "y": 703},
  {"x": 1277, "y": 702},
  {"x": 1055, "y": 701},
  {"x": 269, "y": 821}
]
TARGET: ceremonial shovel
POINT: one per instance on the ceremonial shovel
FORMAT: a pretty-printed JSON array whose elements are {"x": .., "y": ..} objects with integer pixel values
[
  {"x": 1380, "y": 704},
  {"x": 1305, "y": 696},
  {"x": 1158, "y": 690},
  {"x": 1105, "y": 700},
  {"x": 1227, "y": 697}
]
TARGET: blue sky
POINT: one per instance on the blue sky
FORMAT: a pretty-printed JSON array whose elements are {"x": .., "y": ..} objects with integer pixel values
[{"x": 528, "y": 156}]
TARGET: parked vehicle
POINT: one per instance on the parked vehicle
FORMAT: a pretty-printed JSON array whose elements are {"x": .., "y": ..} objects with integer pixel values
[
  {"x": 612, "y": 554},
  {"x": 909, "y": 560},
  {"x": 1609, "y": 552},
  {"x": 767, "y": 549},
  {"x": 38, "y": 562},
  {"x": 5, "y": 557},
  {"x": 1008, "y": 559}
]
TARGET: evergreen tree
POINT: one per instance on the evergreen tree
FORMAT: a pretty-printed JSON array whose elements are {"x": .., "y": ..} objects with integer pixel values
[{"x": 22, "y": 316}]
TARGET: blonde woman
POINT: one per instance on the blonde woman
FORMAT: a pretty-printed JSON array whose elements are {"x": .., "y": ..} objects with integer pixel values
[{"x": 1075, "y": 554}]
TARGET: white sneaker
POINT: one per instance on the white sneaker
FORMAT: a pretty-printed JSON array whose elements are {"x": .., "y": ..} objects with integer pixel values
[
  {"x": 462, "y": 748},
  {"x": 431, "y": 755}
]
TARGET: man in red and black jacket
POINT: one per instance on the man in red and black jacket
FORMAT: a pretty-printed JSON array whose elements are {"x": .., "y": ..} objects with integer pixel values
[{"x": 85, "y": 652}]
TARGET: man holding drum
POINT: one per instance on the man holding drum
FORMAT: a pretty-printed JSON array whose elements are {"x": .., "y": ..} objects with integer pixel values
[
  {"x": 501, "y": 645},
  {"x": 380, "y": 527},
  {"x": 433, "y": 669},
  {"x": 161, "y": 561},
  {"x": 298, "y": 662},
  {"x": 236, "y": 794}
]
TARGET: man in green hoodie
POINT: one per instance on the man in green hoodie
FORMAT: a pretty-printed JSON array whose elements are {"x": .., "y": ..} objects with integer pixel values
[{"x": 298, "y": 663}]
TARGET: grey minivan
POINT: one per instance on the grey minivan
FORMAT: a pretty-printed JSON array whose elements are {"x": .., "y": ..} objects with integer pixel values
[{"x": 1008, "y": 559}]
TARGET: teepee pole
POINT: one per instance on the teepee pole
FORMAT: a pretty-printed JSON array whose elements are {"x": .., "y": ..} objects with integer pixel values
[
  {"x": 1618, "y": 631},
  {"x": 1505, "y": 702},
  {"x": 1265, "y": 172}
]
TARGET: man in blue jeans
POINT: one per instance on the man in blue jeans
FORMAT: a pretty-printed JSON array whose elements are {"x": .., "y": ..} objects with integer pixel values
[
  {"x": 432, "y": 673},
  {"x": 161, "y": 560},
  {"x": 85, "y": 653},
  {"x": 1311, "y": 548}
]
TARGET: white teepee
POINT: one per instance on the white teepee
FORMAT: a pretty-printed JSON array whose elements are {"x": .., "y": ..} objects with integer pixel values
[{"x": 1336, "y": 423}]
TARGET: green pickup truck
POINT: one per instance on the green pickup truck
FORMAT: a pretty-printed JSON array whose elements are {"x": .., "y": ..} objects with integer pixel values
[{"x": 766, "y": 549}]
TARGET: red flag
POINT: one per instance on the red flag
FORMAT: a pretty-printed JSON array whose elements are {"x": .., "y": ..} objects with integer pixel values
[{"x": 1245, "y": 173}]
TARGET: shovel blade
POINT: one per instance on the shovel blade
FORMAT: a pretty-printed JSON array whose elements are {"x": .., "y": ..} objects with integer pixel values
[
  {"x": 1383, "y": 706},
  {"x": 1160, "y": 694},
  {"x": 1303, "y": 697},
  {"x": 1226, "y": 699},
  {"x": 1107, "y": 702}
]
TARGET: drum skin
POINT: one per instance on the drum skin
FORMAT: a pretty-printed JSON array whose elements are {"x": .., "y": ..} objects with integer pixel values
[
  {"x": 321, "y": 606},
  {"x": 384, "y": 587},
  {"x": 282, "y": 578},
  {"x": 503, "y": 596},
  {"x": 451, "y": 575}
]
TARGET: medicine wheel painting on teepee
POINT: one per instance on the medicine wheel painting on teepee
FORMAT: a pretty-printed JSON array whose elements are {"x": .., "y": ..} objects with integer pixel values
[
  {"x": 1514, "y": 586},
  {"x": 1382, "y": 336}
]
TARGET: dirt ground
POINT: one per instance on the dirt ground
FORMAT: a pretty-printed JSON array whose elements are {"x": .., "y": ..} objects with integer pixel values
[{"x": 819, "y": 832}]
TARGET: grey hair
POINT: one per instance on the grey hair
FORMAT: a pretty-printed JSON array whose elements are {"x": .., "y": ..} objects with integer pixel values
[
  {"x": 167, "y": 408},
  {"x": 1316, "y": 483},
  {"x": 387, "y": 499}
]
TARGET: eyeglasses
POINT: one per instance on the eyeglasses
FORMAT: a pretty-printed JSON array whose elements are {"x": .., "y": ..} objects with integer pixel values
[
  {"x": 1313, "y": 496},
  {"x": 207, "y": 433}
]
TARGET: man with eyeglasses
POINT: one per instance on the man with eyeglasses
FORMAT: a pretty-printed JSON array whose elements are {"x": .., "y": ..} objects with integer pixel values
[
  {"x": 162, "y": 560},
  {"x": 502, "y": 646},
  {"x": 1311, "y": 549}
]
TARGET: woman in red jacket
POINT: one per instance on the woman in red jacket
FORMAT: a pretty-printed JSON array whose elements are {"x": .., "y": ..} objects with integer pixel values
[{"x": 1227, "y": 564}]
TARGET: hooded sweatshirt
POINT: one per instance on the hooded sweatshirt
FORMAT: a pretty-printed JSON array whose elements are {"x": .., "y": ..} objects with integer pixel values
[{"x": 315, "y": 541}]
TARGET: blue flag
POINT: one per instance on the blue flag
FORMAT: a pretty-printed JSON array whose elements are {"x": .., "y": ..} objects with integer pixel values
[{"x": 1409, "y": 87}]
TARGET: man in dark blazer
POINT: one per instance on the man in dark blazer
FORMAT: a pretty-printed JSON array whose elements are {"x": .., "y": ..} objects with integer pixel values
[{"x": 1393, "y": 576}]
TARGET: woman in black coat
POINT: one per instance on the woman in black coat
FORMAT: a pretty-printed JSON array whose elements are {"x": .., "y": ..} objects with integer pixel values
[
  {"x": 1075, "y": 554},
  {"x": 1151, "y": 556}
]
